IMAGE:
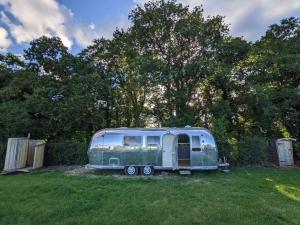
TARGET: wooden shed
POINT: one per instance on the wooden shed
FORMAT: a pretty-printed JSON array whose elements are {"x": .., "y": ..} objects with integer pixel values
[
  {"x": 24, "y": 153},
  {"x": 285, "y": 151}
]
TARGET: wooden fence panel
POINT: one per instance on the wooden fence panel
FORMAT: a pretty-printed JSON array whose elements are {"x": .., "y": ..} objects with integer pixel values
[
  {"x": 31, "y": 150},
  {"x": 39, "y": 151},
  {"x": 16, "y": 153}
]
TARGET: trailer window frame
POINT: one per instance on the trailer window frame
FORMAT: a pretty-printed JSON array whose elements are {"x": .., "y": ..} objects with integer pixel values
[
  {"x": 96, "y": 142},
  {"x": 111, "y": 141},
  {"x": 156, "y": 145},
  {"x": 140, "y": 144},
  {"x": 196, "y": 147}
]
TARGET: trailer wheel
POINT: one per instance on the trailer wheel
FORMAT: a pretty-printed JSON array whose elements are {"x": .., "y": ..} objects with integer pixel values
[
  {"x": 131, "y": 170},
  {"x": 147, "y": 170}
]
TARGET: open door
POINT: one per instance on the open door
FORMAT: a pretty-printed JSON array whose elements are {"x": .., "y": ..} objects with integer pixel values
[
  {"x": 183, "y": 150},
  {"x": 169, "y": 159}
]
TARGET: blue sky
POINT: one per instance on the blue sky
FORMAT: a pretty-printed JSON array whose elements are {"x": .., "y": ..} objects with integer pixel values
[
  {"x": 98, "y": 10},
  {"x": 78, "y": 22}
]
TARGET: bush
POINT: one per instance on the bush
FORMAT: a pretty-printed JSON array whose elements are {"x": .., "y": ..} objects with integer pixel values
[
  {"x": 297, "y": 149},
  {"x": 2, "y": 154},
  {"x": 249, "y": 151},
  {"x": 66, "y": 153},
  {"x": 224, "y": 149},
  {"x": 252, "y": 151}
]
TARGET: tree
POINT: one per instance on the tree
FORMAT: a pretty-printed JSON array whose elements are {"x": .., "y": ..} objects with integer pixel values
[
  {"x": 64, "y": 102},
  {"x": 183, "y": 43},
  {"x": 270, "y": 77},
  {"x": 220, "y": 90},
  {"x": 15, "y": 85},
  {"x": 171, "y": 67},
  {"x": 47, "y": 55}
]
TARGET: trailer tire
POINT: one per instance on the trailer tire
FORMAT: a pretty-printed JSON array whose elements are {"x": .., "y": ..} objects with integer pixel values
[
  {"x": 147, "y": 170},
  {"x": 131, "y": 170}
]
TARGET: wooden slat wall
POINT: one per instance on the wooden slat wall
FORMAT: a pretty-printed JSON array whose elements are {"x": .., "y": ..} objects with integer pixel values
[
  {"x": 39, "y": 150},
  {"x": 23, "y": 153},
  {"x": 31, "y": 150},
  {"x": 10, "y": 156},
  {"x": 30, "y": 153},
  {"x": 16, "y": 153}
]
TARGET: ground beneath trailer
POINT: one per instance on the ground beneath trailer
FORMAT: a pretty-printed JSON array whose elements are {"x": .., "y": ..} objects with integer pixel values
[{"x": 74, "y": 195}]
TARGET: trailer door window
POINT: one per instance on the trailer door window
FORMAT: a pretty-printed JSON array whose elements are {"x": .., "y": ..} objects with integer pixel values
[
  {"x": 196, "y": 144},
  {"x": 153, "y": 142},
  {"x": 134, "y": 141}
]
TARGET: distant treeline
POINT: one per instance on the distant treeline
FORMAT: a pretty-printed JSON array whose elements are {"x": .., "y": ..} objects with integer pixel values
[{"x": 171, "y": 67}]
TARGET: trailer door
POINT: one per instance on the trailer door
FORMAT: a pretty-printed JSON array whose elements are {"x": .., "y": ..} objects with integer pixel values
[{"x": 168, "y": 150}]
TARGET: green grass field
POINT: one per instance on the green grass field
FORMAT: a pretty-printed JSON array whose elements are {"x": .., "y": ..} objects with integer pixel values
[{"x": 244, "y": 196}]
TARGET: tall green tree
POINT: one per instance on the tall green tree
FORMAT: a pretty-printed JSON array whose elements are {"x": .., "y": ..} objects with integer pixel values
[
  {"x": 184, "y": 44},
  {"x": 270, "y": 78},
  {"x": 15, "y": 85},
  {"x": 64, "y": 102}
]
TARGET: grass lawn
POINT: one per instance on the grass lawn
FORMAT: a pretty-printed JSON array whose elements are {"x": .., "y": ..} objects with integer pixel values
[{"x": 244, "y": 196}]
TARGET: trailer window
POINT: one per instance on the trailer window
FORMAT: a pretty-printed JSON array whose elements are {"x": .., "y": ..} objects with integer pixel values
[
  {"x": 153, "y": 142},
  {"x": 196, "y": 143},
  {"x": 97, "y": 142},
  {"x": 111, "y": 141},
  {"x": 132, "y": 141}
]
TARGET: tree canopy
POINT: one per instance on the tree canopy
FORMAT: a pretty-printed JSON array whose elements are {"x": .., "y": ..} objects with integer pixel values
[{"x": 172, "y": 67}]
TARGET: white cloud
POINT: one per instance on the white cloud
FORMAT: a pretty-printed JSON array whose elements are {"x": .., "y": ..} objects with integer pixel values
[
  {"x": 247, "y": 18},
  {"x": 85, "y": 34},
  {"x": 34, "y": 18},
  {"x": 4, "y": 40},
  {"x": 92, "y": 26},
  {"x": 25, "y": 20}
]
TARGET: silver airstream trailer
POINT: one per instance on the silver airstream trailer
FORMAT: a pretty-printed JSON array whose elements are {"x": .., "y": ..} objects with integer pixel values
[{"x": 146, "y": 149}]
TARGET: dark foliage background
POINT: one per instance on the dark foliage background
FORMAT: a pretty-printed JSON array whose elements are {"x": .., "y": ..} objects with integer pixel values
[
  {"x": 172, "y": 67},
  {"x": 65, "y": 152}
]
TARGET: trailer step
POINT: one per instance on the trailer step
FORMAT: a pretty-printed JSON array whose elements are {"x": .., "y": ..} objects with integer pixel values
[{"x": 185, "y": 172}]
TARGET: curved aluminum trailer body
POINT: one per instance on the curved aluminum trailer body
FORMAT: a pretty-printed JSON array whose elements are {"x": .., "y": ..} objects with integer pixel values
[{"x": 160, "y": 148}]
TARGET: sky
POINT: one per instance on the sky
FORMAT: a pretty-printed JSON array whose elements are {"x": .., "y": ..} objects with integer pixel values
[{"x": 78, "y": 22}]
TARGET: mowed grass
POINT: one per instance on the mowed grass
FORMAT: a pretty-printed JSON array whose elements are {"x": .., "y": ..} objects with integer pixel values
[{"x": 244, "y": 196}]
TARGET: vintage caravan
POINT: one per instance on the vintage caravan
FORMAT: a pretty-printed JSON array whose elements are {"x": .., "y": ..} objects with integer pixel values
[{"x": 146, "y": 149}]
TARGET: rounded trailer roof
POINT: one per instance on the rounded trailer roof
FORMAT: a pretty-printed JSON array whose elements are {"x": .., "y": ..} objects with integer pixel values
[{"x": 175, "y": 130}]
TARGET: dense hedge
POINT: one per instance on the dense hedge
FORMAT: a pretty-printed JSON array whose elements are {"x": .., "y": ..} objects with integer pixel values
[
  {"x": 2, "y": 154},
  {"x": 252, "y": 151},
  {"x": 66, "y": 153},
  {"x": 249, "y": 151},
  {"x": 296, "y": 148}
]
